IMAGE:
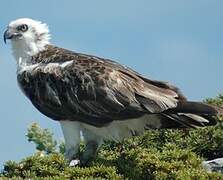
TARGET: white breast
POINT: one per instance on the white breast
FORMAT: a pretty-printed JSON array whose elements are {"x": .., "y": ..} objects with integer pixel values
[{"x": 118, "y": 130}]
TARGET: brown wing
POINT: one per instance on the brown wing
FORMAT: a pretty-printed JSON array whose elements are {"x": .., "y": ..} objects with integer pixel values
[{"x": 93, "y": 90}]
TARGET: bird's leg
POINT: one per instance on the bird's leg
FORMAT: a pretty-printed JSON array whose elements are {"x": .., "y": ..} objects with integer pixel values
[
  {"x": 93, "y": 142},
  {"x": 71, "y": 132}
]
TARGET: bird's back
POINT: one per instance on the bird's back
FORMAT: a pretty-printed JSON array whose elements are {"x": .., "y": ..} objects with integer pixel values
[{"x": 68, "y": 85}]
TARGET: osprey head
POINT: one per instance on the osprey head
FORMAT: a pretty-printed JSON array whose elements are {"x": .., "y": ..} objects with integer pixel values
[{"x": 28, "y": 36}]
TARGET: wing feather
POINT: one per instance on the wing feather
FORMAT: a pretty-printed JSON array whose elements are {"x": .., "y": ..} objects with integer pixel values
[{"x": 92, "y": 89}]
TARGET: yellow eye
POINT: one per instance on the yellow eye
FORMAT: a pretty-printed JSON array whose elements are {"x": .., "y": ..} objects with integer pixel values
[{"x": 22, "y": 28}]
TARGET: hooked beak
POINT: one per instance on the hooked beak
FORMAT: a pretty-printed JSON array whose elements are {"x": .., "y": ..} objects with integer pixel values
[{"x": 9, "y": 35}]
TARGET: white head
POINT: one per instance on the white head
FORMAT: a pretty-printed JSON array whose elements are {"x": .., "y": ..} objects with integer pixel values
[{"x": 28, "y": 37}]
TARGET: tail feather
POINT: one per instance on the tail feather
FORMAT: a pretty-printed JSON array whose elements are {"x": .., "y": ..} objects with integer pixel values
[
  {"x": 193, "y": 114},
  {"x": 187, "y": 120},
  {"x": 195, "y": 108}
]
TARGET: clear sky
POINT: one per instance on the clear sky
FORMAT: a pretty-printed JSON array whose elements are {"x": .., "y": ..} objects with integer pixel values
[{"x": 180, "y": 41}]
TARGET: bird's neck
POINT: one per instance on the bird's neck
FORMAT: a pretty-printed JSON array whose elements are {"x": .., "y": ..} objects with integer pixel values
[{"x": 23, "y": 51}]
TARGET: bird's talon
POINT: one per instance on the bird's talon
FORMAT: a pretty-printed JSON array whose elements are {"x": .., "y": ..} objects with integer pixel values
[{"x": 74, "y": 162}]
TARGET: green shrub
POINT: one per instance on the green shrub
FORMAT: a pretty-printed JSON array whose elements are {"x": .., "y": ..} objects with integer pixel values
[{"x": 163, "y": 154}]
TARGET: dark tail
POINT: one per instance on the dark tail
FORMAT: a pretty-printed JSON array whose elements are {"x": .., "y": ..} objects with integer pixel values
[{"x": 192, "y": 114}]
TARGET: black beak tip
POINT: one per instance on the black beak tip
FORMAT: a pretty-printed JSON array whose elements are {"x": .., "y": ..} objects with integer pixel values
[{"x": 5, "y": 36}]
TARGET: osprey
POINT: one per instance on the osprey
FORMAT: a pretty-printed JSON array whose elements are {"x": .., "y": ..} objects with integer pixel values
[{"x": 97, "y": 96}]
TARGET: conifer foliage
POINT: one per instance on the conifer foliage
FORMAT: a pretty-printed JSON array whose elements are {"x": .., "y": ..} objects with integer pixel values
[{"x": 158, "y": 154}]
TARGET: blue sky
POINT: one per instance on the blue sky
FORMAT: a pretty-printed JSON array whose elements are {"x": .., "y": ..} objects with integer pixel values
[{"x": 180, "y": 41}]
